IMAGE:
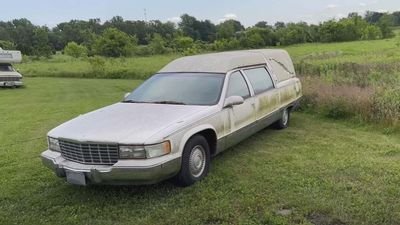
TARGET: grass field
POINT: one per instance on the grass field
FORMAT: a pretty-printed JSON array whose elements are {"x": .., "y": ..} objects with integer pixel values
[
  {"x": 65, "y": 66},
  {"x": 320, "y": 171}
]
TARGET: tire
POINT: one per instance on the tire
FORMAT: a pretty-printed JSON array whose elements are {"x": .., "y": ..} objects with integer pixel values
[
  {"x": 195, "y": 161},
  {"x": 283, "y": 122}
]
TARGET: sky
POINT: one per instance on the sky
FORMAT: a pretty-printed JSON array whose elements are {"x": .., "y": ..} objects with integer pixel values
[{"x": 249, "y": 12}]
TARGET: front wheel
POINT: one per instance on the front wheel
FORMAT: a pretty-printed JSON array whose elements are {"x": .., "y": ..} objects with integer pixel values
[
  {"x": 195, "y": 161},
  {"x": 283, "y": 122}
]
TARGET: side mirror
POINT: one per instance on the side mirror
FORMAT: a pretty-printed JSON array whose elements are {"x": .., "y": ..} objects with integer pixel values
[
  {"x": 233, "y": 100},
  {"x": 126, "y": 95}
]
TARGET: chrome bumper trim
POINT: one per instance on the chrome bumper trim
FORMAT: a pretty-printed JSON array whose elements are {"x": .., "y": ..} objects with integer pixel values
[
  {"x": 10, "y": 83},
  {"x": 114, "y": 175}
]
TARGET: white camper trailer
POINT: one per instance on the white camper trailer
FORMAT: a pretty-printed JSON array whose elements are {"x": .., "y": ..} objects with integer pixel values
[{"x": 9, "y": 77}]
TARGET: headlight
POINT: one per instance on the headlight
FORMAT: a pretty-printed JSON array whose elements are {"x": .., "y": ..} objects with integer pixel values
[
  {"x": 53, "y": 144},
  {"x": 147, "y": 151},
  {"x": 132, "y": 152},
  {"x": 158, "y": 149}
]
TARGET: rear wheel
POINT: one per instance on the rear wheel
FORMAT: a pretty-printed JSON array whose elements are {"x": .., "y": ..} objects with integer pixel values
[
  {"x": 283, "y": 122},
  {"x": 195, "y": 161}
]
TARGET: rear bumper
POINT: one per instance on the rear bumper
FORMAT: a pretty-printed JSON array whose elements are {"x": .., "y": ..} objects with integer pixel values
[
  {"x": 123, "y": 174},
  {"x": 11, "y": 83},
  {"x": 296, "y": 104}
]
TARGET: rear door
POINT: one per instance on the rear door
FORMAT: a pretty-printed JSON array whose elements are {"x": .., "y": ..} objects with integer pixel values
[{"x": 266, "y": 95}]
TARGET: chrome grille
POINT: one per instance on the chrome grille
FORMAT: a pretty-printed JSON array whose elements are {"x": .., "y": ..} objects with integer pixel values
[
  {"x": 9, "y": 79},
  {"x": 89, "y": 153}
]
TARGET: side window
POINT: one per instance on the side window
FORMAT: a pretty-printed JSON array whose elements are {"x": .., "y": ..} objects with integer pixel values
[
  {"x": 237, "y": 86},
  {"x": 260, "y": 79}
]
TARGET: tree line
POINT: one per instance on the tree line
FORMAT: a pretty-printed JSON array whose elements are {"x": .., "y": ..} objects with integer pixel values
[{"x": 118, "y": 37}]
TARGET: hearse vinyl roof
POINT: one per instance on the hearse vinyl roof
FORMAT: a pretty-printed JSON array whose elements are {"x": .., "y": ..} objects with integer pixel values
[{"x": 277, "y": 60}]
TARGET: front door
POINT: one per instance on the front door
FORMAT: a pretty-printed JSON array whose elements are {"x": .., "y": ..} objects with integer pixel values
[{"x": 242, "y": 117}]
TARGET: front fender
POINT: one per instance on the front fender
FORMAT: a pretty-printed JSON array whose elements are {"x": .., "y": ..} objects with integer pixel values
[{"x": 192, "y": 132}]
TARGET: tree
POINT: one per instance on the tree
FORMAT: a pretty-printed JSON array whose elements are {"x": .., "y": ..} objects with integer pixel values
[
  {"x": 40, "y": 42},
  {"x": 115, "y": 43},
  {"x": 279, "y": 25},
  {"x": 78, "y": 31},
  {"x": 257, "y": 37},
  {"x": 261, "y": 24},
  {"x": 21, "y": 32},
  {"x": 396, "y": 18},
  {"x": 75, "y": 50},
  {"x": 157, "y": 44},
  {"x": 294, "y": 33},
  {"x": 385, "y": 23},
  {"x": 228, "y": 29},
  {"x": 197, "y": 30},
  {"x": 6, "y": 45},
  {"x": 373, "y": 17},
  {"x": 371, "y": 32}
]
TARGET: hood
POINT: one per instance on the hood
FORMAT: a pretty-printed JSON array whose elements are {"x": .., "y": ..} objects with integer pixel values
[{"x": 127, "y": 123}]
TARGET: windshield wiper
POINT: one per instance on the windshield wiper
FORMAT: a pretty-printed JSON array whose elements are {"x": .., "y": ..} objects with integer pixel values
[
  {"x": 133, "y": 101},
  {"x": 169, "y": 102}
]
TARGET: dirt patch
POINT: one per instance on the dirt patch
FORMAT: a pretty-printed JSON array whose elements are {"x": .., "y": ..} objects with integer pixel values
[{"x": 323, "y": 219}]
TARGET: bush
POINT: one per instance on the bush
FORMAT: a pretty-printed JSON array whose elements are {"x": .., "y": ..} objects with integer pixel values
[
  {"x": 158, "y": 45},
  {"x": 98, "y": 65},
  {"x": 371, "y": 32},
  {"x": 386, "y": 105},
  {"x": 142, "y": 50},
  {"x": 338, "y": 108},
  {"x": 226, "y": 44},
  {"x": 182, "y": 44},
  {"x": 75, "y": 50},
  {"x": 115, "y": 43}
]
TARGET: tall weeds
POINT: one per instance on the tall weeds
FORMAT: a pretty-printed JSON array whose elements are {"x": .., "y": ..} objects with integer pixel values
[{"x": 347, "y": 101}]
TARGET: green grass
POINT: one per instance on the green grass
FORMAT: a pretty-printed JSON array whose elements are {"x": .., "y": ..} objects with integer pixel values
[
  {"x": 325, "y": 172},
  {"x": 65, "y": 66}
]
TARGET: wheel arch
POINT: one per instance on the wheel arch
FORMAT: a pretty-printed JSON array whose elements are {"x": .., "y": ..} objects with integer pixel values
[{"x": 207, "y": 131}]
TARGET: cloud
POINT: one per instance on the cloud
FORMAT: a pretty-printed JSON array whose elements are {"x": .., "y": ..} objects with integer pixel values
[
  {"x": 229, "y": 16},
  {"x": 331, "y": 6},
  {"x": 340, "y": 16},
  {"x": 362, "y": 4},
  {"x": 175, "y": 19}
]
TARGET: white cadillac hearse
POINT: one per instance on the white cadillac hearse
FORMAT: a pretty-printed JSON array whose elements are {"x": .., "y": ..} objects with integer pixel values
[
  {"x": 168, "y": 127},
  {"x": 9, "y": 77}
]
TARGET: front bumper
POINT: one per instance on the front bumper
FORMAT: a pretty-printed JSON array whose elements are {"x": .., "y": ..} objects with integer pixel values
[
  {"x": 11, "y": 83},
  {"x": 123, "y": 172}
]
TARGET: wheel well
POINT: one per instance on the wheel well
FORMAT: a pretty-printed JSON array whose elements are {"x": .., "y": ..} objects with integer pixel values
[{"x": 211, "y": 138}]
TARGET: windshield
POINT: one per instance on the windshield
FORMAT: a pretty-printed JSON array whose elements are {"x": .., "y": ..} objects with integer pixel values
[
  {"x": 6, "y": 68},
  {"x": 180, "y": 88}
]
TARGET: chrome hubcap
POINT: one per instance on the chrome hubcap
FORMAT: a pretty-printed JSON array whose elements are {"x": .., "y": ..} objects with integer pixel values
[
  {"x": 285, "y": 117},
  {"x": 197, "y": 161}
]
